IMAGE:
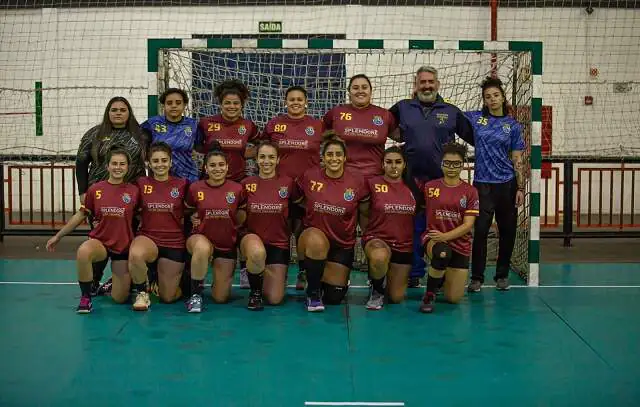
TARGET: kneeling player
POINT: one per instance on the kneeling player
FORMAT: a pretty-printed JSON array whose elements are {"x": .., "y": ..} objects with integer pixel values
[
  {"x": 219, "y": 204},
  {"x": 332, "y": 198},
  {"x": 112, "y": 204},
  {"x": 388, "y": 238},
  {"x": 161, "y": 236},
  {"x": 266, "y": 244},
  {"x": 451, "y": 206}
]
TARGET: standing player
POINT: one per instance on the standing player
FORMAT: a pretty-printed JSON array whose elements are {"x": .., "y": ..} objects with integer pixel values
[
  {"x": 119, "y": 127},
  {"x": 451, "y": 206},
  {"x": 219, "y": 203},
  {"x": 161, "y": 237},
  {"x": 266, "y": 242},
  {"x": 500, "y": 179},
  {"x": 364, "y": 127},
  {"x": 298, "y": 137},
  {"x": 332, "y": 197},
  {"x": 426, "y": 122},
  {"x": 179, "y": 132},
  {"x": 388, "y": 239},
  {"x": 229, "y": 128},
  {"x": 112, "y": 204}
]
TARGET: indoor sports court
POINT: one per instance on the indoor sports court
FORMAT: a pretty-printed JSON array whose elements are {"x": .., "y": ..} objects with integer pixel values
[
  {"x": 566, "y": 333},
  {"x": 571, "y": 341}
]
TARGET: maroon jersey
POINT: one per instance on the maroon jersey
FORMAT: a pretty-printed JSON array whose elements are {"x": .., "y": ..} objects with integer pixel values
[
  {"x": 268, "y": 208},
  {"x": 162, "y": 206},
  {"x": 446, "y": 208},
  {"x": 112, "y": 207},
  {"x": 332, "y": 203},
  {"x": 233, "y": 137},
  {"x": 391, "y": 211},
  {"x": 217, "y": 208},
  {"x": 365, "y": 131},
  {"x": 298, "y": 141}
]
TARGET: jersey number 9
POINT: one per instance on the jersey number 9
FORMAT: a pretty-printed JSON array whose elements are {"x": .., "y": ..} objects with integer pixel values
[{"x": 200, "y": 196}]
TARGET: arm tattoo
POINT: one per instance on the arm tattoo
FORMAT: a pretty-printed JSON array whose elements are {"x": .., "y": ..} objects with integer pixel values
[{"x": 519, "y": 168}]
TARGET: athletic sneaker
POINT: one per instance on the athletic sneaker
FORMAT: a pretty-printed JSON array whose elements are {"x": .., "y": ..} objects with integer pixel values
[
  {"x": 428, "y": 303},
  {"x": 142, "y": 302},
  {"x": 314, "y": 304},
  {"x": 255, "y": 302},
  {"x": 244, "y": 279},
  {"x": 376, "y": 301},
  {"x": 105, "y": 289},
  {"x": 301, "y": 281},
  {"x": 475, "y": 286},
  {"x": 85, "y": 305},
  {"x": 194, "y": 304},
  {"x": 502, "y": 284}
]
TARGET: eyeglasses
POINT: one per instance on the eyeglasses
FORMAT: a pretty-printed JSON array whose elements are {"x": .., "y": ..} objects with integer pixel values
[{"x": 452, "y": 164}]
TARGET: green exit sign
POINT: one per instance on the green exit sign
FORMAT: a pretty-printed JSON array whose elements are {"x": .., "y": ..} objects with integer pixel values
[{"x": 270, "y": 26}]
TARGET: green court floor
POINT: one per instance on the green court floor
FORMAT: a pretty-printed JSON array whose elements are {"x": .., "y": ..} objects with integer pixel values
[{"x": 572, "y": 342}]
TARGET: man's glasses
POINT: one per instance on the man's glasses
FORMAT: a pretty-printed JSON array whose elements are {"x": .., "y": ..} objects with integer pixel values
[{"x": 452, "y": 164}]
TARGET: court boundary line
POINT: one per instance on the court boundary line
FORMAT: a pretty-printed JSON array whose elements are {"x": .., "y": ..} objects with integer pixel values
[
  {"x": 355, "y": 403},
  {"x": 486, "y": 286}
]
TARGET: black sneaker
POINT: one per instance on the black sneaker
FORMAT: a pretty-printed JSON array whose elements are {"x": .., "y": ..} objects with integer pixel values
[
  {"x": 105, "y": 289},
  {"x": 428, "y": 303},
  {"x": 255, "y": 302}
]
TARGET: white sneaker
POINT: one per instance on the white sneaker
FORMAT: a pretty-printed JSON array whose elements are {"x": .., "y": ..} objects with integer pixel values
[{"x": 142, "y": 302}]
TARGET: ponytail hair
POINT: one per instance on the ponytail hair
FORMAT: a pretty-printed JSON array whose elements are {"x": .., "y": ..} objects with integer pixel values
[
  {"x": 330, "y": 138},
  {"x": 490, "y": 82},
  {"x": 215, "y": 150}
]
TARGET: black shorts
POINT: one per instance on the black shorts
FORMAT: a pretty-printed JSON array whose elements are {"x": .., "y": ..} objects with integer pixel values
[
  {"x": 117, "y": 256},
  {"x": 276, "y": 255},
  {"x": 225, "y": 254},
  {"x": 341, "y": 255},
  {"x": 401, "y": 257},
  {"x": 458, "y": 260},
  {"x": 172, "y": 253}
]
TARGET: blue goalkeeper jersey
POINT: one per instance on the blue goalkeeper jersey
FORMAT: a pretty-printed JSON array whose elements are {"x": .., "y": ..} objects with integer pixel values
[
  {"x": 495, "y": 137},
  {"x": 182, "y": 137}
]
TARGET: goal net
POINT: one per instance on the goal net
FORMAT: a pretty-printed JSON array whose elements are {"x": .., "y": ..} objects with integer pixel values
[{"x": 325, "y": 72}]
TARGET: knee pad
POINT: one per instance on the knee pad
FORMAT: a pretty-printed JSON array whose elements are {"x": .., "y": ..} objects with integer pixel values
[
  {"x": 333, "y": 294},
  {"x": 440, "y": 256}
]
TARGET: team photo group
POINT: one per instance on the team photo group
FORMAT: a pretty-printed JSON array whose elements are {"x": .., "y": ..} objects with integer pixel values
[{"x": 162, "y": 215}]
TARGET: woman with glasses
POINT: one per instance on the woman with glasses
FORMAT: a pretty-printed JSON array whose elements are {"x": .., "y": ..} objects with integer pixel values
[{"x": 451, "y": 207}]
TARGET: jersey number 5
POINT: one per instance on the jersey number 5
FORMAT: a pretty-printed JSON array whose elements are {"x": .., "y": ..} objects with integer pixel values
[
  {"x": 98, "y": 193},
  {"x": 433, "y": 192},
  {"x": 316, "y": 186}
]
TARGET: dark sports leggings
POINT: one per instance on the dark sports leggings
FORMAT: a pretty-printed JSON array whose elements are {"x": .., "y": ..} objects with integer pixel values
[
  {"x": 98, "y": 267},
  {"x": 498, "y": 200}
]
